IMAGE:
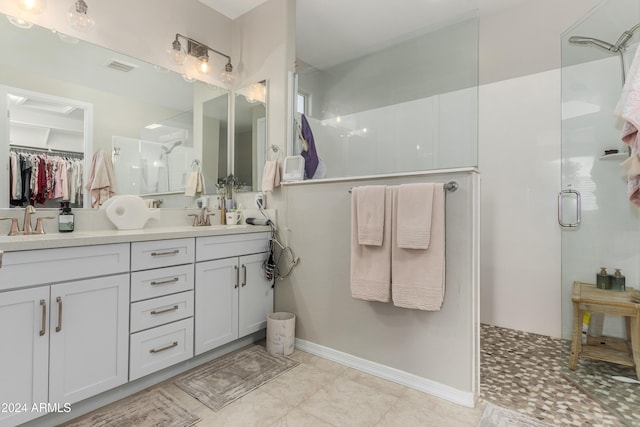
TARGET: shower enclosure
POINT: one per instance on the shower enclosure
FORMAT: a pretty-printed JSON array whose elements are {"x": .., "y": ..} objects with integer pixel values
[{"x": 600, "y": 227}]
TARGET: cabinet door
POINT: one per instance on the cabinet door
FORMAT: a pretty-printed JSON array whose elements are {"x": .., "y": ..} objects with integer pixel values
[
  {"x": 89, "y": 337},
  {"x": 216, "y": 315},
  {"x": 24, "y": 353},
  {"x": 256, "y": 294}
]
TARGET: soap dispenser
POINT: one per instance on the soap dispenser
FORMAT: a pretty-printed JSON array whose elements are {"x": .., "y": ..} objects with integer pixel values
[
  {"x": 66, "y": 220},
  {"x": 618, "y": 281},
  {"x": 603, "y": 280}
]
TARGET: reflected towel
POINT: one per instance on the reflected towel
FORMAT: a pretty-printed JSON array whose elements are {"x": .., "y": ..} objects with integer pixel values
[
  {"x": 370, "y": 207},
  {"x": 418, "y": 276},
  {"x": 371, "y": 265},
  {"x": 102, "y": 181},
  {"x": 270, "y": 175},
  {"x": 628, "y": 108},
  {"x": 415, "y": 205},
  {"x": 309, "y": 152}
]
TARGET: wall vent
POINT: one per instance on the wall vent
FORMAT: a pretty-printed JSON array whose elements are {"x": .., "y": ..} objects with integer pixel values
[{"x": 120, "y": 66}]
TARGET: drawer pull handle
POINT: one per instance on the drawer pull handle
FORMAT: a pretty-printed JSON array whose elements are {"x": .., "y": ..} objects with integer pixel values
[
  {"x": 166, "y": 310},
  {"x": 237, "y": 276},
  {"x": 174, "y": 252},
  {"x": 158, "y": 350},
  {"x": 43, "y": 329},
  {"x": 244, "y": 275},
  {"x": 164, "y": 282},
  {"x": 59, "y": 325},
  {"x": 1, "y": 253}
]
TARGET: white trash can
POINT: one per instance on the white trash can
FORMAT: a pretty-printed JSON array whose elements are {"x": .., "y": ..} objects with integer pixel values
[{"x": 281, "y": 332}]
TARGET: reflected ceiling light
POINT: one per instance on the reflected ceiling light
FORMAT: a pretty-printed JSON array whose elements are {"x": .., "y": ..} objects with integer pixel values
[
  {"x": 78, "y": 17},
  {"x": 188, "y": 79},
  {"x": 32, "y": 6},
  {"x": 178, "y": 54},
  {"x": 20, "y": 23},
  {"x": 256, "y": 92}
]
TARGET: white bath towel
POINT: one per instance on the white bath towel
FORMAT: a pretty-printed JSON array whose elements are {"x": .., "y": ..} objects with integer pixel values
[
  {"x": 370, "y": 210},
  {"x": 102, "y": 180},
  {"x": 371, "y": 265},
  {"x": 270, "y": 175},
  {"x": 415, "y": 205},
  {"x": 628, "y": 108},
  {"x": 418, "y": 276}
]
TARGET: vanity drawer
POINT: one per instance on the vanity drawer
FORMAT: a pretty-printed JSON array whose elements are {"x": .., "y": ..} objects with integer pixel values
[
  {"x": 216, "y": 247},
  {"x": 161, "y": 281},
  {"x": 159, "y": 311},
  {"x": 160, "y": 347},
  {"x": 46, "y": 266},
  {"x": 161, "y": 253}
]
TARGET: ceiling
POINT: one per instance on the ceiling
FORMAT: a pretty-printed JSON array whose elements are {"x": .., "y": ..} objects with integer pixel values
[{"x": 329, "y": 32}]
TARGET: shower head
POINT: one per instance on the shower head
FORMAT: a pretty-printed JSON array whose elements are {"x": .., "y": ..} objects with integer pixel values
[
  {"x": 168, "y": 149},
  {"x": 596, "y": 42}
]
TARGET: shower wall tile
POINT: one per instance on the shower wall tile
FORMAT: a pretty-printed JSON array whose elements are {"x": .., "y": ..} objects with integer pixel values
[{"x": 519, "y": 161}]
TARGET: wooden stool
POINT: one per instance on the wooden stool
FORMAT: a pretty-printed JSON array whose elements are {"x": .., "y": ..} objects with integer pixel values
[{"x": 587, "y": 297}]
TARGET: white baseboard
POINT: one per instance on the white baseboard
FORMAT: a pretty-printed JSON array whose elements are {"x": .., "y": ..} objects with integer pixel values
[{"x": 392, "y": 374}]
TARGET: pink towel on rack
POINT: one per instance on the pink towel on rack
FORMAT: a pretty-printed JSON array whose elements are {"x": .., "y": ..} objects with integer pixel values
[
  {"x": 628, "y": 108},
  {"x": 102, "y": 180},
  {"x": 270, "y": 175},
  {"x": 371, "y": 265},
  {"x": 370, "y": 212},
  {"x": 418, "y": 276},
  {"x": 415, "y": 205}
]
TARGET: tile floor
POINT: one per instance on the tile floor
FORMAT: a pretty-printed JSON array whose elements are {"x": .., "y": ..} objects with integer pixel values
[{"x": 519, "y": 371}]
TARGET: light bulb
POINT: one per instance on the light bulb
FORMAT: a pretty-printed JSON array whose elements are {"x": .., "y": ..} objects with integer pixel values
[
  {"x": 176, "y": 53},
  {"x": 203, "y": 65},
  {"x": 78, "y": 18},
  {"x": 32, "y": 6}
]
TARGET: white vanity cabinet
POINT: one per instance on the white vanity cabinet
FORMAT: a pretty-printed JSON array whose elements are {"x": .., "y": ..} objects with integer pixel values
[
  {"x": 162, "y": 304},
  {"x": 233, "y": 296},
  {"x": 64, "y": 329}
]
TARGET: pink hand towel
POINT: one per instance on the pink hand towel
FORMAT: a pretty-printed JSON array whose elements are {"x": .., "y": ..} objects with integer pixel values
[
  {"x": 370, "y": 212},
  {"x": 270, "y": 175},
  {"x": 102, "y": 180},
  {"x": 415, "y": 205},
  {"x": 371, "y": 265},
  {"x": 418, "y": 276}
]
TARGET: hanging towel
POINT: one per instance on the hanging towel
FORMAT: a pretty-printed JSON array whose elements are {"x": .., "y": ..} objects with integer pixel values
[
  {"x": 415, "y": 205},
  {"x": 195, "y": 181},
  {"x": 628, "y": 108},
  {"x": 370, "y": 209},
  {"x": 102, "y": 180},
  {"x": 270, "y": 175},
  {"x": 309, "y": 151},
  {"x": 371, "y": 265},
  {"x": 418, "y": 276}
]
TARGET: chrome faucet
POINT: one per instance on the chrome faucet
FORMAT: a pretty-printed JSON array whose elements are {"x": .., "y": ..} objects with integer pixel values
[{"x": 202, "y": 219}]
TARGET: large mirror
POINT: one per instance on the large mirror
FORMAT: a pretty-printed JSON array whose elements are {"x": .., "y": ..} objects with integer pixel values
[
  {"x": 250, "y": 135},
  {"x": 154, "y": 123}
]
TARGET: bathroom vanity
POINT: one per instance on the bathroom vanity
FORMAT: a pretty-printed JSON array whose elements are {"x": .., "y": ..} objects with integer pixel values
[{"x": 85, "y": 313}]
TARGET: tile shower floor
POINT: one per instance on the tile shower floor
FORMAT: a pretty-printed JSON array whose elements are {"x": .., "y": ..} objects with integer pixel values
[{"x": 519, "y": 371}]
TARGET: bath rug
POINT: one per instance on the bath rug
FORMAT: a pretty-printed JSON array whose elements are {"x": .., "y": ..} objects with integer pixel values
[
  {"x": 496, "y": 416},
  {"x": 223, "y": 380},
  {"x": 149, "y": 408}
]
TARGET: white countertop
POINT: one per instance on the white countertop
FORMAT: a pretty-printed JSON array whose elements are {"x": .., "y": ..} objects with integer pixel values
[{"x": 101, "y": 237}]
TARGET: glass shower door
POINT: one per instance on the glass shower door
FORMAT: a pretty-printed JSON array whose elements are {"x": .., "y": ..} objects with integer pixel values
[{"x": 607, "y": 234}]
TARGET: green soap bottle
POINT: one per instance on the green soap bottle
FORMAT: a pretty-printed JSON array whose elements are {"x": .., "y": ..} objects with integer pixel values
[
  {"x": 603, "y": 280},
  {"x": 618, "y": 281}
]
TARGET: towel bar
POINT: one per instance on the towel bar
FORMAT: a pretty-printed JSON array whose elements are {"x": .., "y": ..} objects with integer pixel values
[{"x": 449, "y": 186}]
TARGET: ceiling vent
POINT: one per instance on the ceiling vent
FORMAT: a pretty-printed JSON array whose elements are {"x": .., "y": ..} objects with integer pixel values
[{"x": 120, "y": 66}]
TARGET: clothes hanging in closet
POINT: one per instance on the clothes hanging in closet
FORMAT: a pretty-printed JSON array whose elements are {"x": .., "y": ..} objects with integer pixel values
[{"x": 36, "y": 178}]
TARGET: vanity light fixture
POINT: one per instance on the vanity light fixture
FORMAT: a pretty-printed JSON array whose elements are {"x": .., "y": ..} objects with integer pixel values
[
  {"x": 178, "y": 55},
  {"x": 32, "y": 6},
  {"x": 78, "y": 17}
]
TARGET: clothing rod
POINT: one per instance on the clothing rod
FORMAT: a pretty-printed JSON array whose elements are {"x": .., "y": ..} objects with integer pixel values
[
  {"x": 450, "y": 186},
  {"x": 45, "y": 150}
]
